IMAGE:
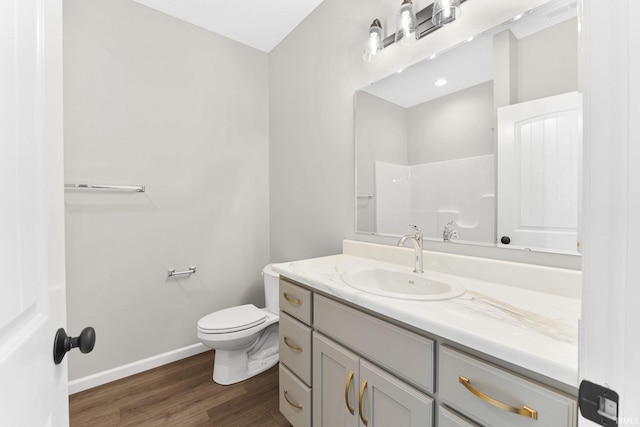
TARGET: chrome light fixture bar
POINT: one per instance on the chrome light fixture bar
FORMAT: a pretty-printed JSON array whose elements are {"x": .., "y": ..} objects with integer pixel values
[{"x": 425, "y": 25}]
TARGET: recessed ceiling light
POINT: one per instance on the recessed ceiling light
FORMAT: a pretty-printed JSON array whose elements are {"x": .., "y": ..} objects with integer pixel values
[{"x": 440, "y": 82}]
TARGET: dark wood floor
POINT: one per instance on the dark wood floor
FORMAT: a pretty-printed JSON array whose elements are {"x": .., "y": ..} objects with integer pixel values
[{"x": 180, "y": 394}]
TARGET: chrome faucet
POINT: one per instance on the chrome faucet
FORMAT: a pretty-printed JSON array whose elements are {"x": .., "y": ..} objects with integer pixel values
[
  {"x": 417, "y": 244},
  {"x": 449, "y": 233}
]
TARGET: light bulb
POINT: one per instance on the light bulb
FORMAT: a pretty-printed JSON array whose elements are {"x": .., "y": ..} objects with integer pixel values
[
  {"x": 373, "y": 48},
  {"x": 406, "y": 24},
  {"x": 445, "y": 11}
]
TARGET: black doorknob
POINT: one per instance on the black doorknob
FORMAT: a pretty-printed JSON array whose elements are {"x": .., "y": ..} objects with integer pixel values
[
  {"x": 63, "y": 343},
  {"x": 505, "y": 240}
]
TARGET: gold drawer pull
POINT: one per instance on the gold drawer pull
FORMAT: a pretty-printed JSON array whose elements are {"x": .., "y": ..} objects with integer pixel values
[
  {"x": 346, "y": 392},
  {"x": 362, "y": 387},
  {"x": 295, "y": 405},
  {"x": 292, "y": 300},
  {"x": 291, "y": 346},
  {"x": 525, "y": 411}
]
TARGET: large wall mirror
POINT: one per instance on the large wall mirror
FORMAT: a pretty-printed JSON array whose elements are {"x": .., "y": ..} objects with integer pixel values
[{"x": 480, "y": 144}]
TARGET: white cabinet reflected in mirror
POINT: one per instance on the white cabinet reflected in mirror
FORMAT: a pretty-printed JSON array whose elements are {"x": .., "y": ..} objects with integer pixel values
[{"x": 493, "y": 153}]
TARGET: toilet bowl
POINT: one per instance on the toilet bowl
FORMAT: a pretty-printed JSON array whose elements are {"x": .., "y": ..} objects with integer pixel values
[{"x": 244, "y": 337}]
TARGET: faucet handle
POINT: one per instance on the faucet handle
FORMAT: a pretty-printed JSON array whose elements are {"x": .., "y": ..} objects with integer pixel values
[
  {"x": 449, "y": 225},
  {"x": 418, "y": 232}
]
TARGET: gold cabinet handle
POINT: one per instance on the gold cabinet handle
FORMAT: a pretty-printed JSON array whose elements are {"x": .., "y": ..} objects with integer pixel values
[
  {"x": 292, "y": 300},
  {"x": 525, "y": 411},
  {"x": 346, "y": 392},
  {"x": 362, "y": 387},
  {"x": 295, "y": 405},
  {"x": 291, "y": 346}
]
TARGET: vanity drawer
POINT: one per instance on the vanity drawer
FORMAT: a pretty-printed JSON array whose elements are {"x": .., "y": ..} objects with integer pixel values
[
  {"x": 407, "y": 355},
  {"x": 295, "y": 347},
  {"x": 295, "y": 399},
  {"x": 448, "y": 418},
  {"x": 295, "y": 300},
  {"x": 486, "y": 385}
]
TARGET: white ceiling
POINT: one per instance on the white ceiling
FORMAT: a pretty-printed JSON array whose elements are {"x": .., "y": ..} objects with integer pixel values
[{"x": 261, "y": 24}]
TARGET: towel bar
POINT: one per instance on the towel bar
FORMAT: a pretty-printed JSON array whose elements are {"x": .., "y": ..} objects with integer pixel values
[
  {"x": 172, "y": 272},
  {"x": 137, "y": 188}
]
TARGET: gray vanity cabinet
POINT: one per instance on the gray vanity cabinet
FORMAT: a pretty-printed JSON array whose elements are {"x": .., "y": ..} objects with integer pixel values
[
  {"x": 345, "y": 386},
  {"x": 343, "y": 367}
]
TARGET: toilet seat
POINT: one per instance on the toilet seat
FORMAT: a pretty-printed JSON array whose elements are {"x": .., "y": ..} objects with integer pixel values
[{"x": 232, "y": 319}]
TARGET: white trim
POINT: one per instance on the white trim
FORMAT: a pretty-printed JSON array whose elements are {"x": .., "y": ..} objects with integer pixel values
[{"x": 133, "y": 368}]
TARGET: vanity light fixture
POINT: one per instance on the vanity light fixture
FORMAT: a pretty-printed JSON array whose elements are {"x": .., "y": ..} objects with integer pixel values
[
  {"x": 426, "y": 21},
  {"x": 440, "y": 82},
  {"x": 445, "y": 11},
  {"x": 373, "y": 47},
  {"x": 406, "y": 24}
]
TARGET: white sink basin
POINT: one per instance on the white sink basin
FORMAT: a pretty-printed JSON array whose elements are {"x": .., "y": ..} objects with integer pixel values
[{"x": 397, "y": 284}]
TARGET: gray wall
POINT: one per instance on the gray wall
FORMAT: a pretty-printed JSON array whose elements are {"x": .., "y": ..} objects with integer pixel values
[
  {"x": 381, "y": 132},
  {"x": 153, "y": 100},
  {"x": 545, "y": 72},
  {"x": 381, "y": 129},
  {"x": 456, "y": 126},
  {"x": 313, "y": 74}
]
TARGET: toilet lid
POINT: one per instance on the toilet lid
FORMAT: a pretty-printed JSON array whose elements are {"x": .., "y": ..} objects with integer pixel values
[{"x": 232, "y": 319}]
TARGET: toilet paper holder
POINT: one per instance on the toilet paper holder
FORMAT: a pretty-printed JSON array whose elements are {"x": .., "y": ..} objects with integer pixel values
[{"x": 172, "y": 272}]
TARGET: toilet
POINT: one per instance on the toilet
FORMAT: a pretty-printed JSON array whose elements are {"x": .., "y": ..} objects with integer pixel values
[{"x": 244, "y": 337}]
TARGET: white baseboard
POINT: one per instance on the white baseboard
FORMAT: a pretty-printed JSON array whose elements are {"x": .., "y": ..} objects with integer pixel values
[{"x": 104, "y": 377}]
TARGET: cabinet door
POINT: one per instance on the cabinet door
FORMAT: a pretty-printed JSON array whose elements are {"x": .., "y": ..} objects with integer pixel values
[
  {"x": 387, "y": 401},
  {"x": 335, "y": 384}
]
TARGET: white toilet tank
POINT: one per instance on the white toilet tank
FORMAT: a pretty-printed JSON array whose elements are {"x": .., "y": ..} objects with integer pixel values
[{"x": 271, "y": 287}]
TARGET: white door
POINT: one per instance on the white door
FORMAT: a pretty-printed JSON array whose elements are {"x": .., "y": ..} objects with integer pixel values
[
  {"x": 539, "y": 154},
  {"x": 33, "y": 390},
  {"x": 610, "y": 326}
]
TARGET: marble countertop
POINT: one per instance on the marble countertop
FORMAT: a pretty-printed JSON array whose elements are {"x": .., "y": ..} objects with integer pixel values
[{"x": 529, "y": 328}]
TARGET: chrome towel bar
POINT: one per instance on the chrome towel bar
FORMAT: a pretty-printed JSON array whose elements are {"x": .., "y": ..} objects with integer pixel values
[
  {"x": 172, "y": 272},
  {"x": 138, "y": 188}
]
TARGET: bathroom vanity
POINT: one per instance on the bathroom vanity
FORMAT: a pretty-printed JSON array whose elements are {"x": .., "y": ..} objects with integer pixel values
[{"x": 504, "y": 353}]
